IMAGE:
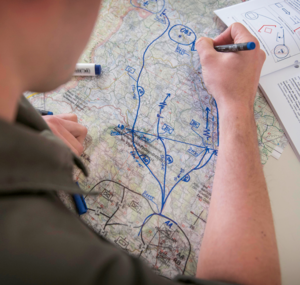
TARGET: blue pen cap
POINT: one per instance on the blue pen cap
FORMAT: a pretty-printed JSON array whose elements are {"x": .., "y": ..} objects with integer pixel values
[
  {"x": 97, "y": 69},
  {"x": 80, "y": 204},
  {"x": 251, "y": 45}
]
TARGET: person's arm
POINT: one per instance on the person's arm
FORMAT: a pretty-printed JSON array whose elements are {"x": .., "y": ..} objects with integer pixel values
[{"x": 239, "y": 243}]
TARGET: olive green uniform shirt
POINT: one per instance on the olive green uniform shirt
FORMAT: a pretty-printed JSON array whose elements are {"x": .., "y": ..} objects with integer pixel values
[{"x": 41, "y": 241}]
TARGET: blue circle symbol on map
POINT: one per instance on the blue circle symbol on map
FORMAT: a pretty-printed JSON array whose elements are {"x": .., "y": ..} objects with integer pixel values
[
  {"x": 152, "y": 6},
  {"x": 281, "y": 51},
  {"x": 169, "y": 159},
  {"x": 251, "y": 15},
  {"x": 145, "y": 158},
  {"x": 141, "y": 91},
  {"x": 186, "y": 178},
  {"x": 182, "y": 35}
]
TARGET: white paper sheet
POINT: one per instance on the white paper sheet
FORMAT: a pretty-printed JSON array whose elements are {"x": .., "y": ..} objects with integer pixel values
[
  {"x": 275, "y": 23},
  {"x": 283, "y": 93}
]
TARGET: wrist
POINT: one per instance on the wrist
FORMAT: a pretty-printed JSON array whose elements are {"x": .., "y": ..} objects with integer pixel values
[{"x": 235, "y": 110}]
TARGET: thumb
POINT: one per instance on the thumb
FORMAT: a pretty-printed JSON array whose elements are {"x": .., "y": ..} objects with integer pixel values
[{"x": 205, "y": 45}]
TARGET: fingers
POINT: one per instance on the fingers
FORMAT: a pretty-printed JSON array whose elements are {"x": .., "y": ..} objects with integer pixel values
[
  {"x": 69, "y": 117},
  {"x": 77, "y": 130},
  {"x": 69, "y": 140},
  {"x": 205, "y": 47},
  {"x": 224, "y": 38},
  {"x": 236, "y": 33},
  {"x": 65, "y": 126}
]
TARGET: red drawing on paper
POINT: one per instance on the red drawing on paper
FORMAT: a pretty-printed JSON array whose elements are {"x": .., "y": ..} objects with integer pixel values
[
  {"x": 268, "y": 30},
  {"x": 296, "y": 29},
  {"x": 267, "y": 26}
]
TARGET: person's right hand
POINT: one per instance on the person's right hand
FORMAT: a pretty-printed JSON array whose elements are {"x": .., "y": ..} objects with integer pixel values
[
  {"x": 232, "y": 78},
  {"x": 67, "y": 128}
]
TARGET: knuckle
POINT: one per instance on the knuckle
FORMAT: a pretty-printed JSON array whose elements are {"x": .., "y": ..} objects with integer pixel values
[
  {"x": 237, "y": 25},
  {"x": 239, "y": 29},
  {"x": 84, "y": 131},
  {"x": 53, "y": 120},
  {"x": 201, "y": 40},
  {"x": 203, "y": 44},
  {"x": 206, "y": 57}
]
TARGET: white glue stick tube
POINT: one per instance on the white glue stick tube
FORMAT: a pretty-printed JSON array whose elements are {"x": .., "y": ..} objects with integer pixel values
[{"x": 87, "y": 69}]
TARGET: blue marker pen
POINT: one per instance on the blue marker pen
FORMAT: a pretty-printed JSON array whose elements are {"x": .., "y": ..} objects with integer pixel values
[
  {"x": 236, "y": 47},
  {"x": 44, "y": 113},
  {"x": 80, "y": 203},
  {"x": 87, "y": 69}
]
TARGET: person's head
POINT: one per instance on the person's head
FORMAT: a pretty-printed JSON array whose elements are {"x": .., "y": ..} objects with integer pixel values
[{"x": 41, "y": 40}]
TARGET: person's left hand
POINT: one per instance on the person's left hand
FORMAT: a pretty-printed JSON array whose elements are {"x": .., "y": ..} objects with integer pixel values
[{"x": 66, "y": 127}]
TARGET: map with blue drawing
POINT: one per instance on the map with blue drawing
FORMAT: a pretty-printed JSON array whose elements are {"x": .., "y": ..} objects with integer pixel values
[{"x": 153, "y": 129}]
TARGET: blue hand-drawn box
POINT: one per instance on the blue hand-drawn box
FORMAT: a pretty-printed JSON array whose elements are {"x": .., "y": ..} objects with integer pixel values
[{"x": 167, "y": 129}]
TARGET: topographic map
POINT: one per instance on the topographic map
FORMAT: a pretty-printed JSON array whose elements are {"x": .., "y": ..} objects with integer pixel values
[{"x": 153, "y": 130}]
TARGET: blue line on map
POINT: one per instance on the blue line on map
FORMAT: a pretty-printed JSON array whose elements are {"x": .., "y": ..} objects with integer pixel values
[
  {"x": 139, "y": 103},
  {"x": 131, "y": 77},
  {"x": 182, "y": 178},
  {"x": 165, "y": 138},
  {"x": 145, "y": 222},
  {"x": 155, "y": 214},
  {"x": 146, "y": 4},
  {"x": 165, "y": 171},
  {"x": 214, "y": 153},
  {"x": 207, "y": 112},
  {"x": 148, "y": 48},
  {"x": 183, "y": 35},
  {"x": 167, "y": 218},
  {"x": 182, "y": 32},
  {"x": 185, "y": 143},
  {"x": 195, "y": 168},
  {"x": 217, "y": 121},
  {"x": 199, "y": 136},
  {"x": 155, "y": 205},
  {"x": 162, "y": 106}
]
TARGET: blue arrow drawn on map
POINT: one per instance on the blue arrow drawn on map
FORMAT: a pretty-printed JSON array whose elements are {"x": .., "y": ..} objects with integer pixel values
[{"x": 207, "y": 111}]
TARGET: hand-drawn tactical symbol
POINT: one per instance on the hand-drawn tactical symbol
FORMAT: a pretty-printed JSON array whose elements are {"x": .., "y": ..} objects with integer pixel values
[
  {"x": 169, "y": 159},
  {"x": 141, "y": 91},
  {"x": 268, "y": 30},
  {"x": 135, "y": 206},
  {"x": 281, "y": 51},
  {"x": 122, "y": 242},
  {"x": 130, "y": 69},
  {"x": 183, "y": 35},
  {"x": 152, "y": 6},
  {"x": 195, "y": 124},
  {"x": 107, "y": 194},
  {"x": 251, "y": 15},
  {"x": 168, "y": 129},
  {"x": 145, "y": 158},
  {"x": 186, "y": 178},
  {"x": 112, "y": 133}
]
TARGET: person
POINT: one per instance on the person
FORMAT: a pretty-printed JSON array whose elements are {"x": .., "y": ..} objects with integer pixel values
[{"x": 41, "y": 241}]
